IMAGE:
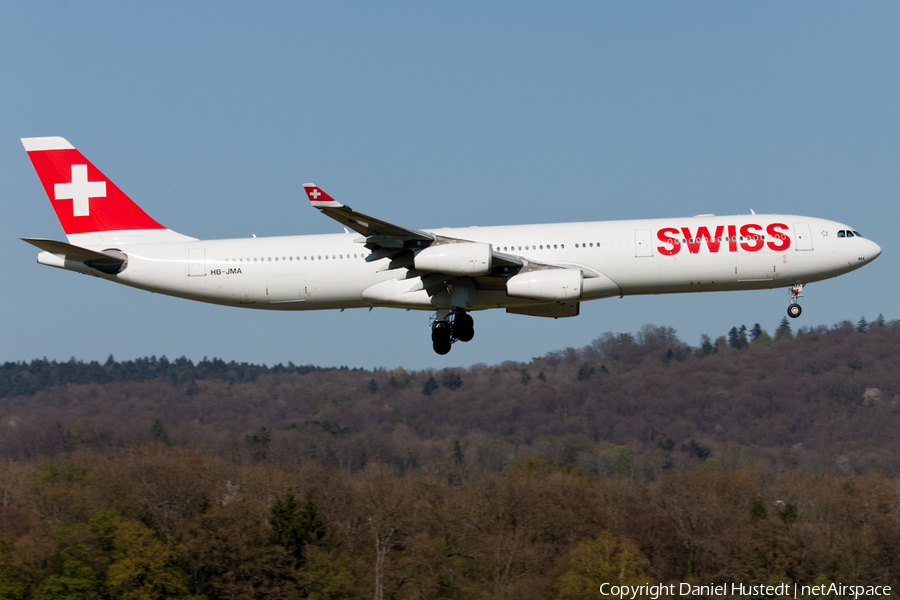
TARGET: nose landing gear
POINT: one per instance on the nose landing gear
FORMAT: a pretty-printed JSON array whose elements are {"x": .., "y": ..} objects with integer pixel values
[
  {"x": 794, "y": 309},
  {"x": 449, "y": 327}
]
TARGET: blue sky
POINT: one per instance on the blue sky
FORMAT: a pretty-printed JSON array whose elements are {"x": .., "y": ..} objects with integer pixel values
[{"x": 212, "y": 115}]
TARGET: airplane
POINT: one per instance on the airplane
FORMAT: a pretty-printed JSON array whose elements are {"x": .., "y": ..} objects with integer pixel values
[{"x": 543, "y": 270}]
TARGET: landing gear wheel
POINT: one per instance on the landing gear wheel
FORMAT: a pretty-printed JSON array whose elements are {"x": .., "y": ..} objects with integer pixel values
[
  {"x": 794, "y": 309},
  {"x": 464, "y": 327},
  {"x": 441, "y": 348},
  {"x": 441, "y": 337}
]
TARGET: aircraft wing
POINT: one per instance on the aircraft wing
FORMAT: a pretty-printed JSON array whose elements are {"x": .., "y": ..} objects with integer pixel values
[
  {"x": 399, "y": 244},
  {"x": 388, "y": 240},
  {"x": 376, "y": 231}
]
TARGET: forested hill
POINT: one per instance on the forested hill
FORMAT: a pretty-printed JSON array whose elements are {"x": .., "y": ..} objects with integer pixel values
[
  {"x": 827, "y": 399},
  {"x": 23, "y": 378}
]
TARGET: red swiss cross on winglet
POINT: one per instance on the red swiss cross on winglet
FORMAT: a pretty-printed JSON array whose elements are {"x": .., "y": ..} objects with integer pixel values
[{"x": 319, "y": 198}]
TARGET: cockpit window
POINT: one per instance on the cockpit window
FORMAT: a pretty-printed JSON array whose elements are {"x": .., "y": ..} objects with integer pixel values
[
  {"x": 842, "y": 233},
  {"x": 856, "y": 233}
]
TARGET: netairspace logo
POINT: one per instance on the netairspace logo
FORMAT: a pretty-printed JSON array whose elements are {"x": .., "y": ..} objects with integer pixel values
[{"x": 736, "y": 590}]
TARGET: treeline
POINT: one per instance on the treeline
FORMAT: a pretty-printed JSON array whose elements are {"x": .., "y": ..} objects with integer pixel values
[
  {"x": 821, "y": 399},
  {"x": 160, "y": 522},
  {"x": 25, "y": 378}
]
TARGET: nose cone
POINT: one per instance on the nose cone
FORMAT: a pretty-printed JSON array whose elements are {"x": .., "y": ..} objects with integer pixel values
[{"x": 873, "y": 250}]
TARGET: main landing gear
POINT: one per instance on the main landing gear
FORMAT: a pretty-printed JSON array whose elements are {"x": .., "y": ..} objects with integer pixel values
[
  {"x": 449, "y": 327},
  {"x": 794, "y": 309}
]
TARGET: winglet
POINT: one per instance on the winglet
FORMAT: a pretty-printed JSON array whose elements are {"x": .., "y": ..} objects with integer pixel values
[{"x": 319, "y": 198}]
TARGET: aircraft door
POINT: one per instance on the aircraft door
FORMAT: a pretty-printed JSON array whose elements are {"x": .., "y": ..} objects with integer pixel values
[
  {"x": 643, "y": 243},
  {"x": 196, "y": 262},
  {"x": 804, "y": 238},
  {"x": 755, "y": 266},
  {"x": 286, "y": 287}
]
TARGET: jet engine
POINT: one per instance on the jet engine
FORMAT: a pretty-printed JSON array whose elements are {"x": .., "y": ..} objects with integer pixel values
[
  {"x": 547, "y": 284},
  {"x": 463, "y": 259}
]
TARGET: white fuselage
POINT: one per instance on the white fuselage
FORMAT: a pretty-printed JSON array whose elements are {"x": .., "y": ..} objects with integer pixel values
[{"x": 654, "y": 256}]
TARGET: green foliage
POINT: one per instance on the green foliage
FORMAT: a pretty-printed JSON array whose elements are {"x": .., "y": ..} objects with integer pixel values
[
  {"x": 145, "y": 567},
  {"x": 758, "y": 508},
  {"x": 373, "y": 387},
  {"x": 62, "y": 470},
  {"x": 706, "y": 346},
  {"x": 11, "y": 585},
  {"x": 535, "y": 465},
  {"x": 755, "y": 332},
  {"x": 764, "y": 339},
  {"x": 21, "y": 378},
  {"x": 324, "y": 576},
  {"x": 258, "y": 443},
  {"x": 720, "y": 344},
  {"x": 76, "y": 581},
  {"x": 692, "y": 448},
  {"x": 585, "y": 372},
  {"x": 295, "y": 527},
  {"x": 617, "y": 460},
  {"x": 667, "y": 444},
  {"x": 737, "y": 338},
  {"x": 784, "y": 330},
  {"x": 451, "y": 380},
  {"x": 430, "y": 386},
  {"x": 604, "y": 559}
]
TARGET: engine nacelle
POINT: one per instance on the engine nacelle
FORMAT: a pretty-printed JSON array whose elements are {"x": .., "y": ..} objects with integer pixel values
[
  {"x": 466, "y": 258},
  {"x": 547, "y": 284}
]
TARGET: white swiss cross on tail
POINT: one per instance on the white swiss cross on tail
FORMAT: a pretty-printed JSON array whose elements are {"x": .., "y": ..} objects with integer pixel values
[
  {"x": 318, "y": 198},
  {"x": 80, "y": 191}
]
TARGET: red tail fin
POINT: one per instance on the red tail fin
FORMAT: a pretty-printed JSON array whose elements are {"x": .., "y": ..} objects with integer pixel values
[{"x": 85, "y": 200}]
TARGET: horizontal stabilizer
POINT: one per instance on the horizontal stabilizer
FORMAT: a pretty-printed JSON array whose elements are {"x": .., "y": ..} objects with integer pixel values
[{"x": 73, "y": 252}]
